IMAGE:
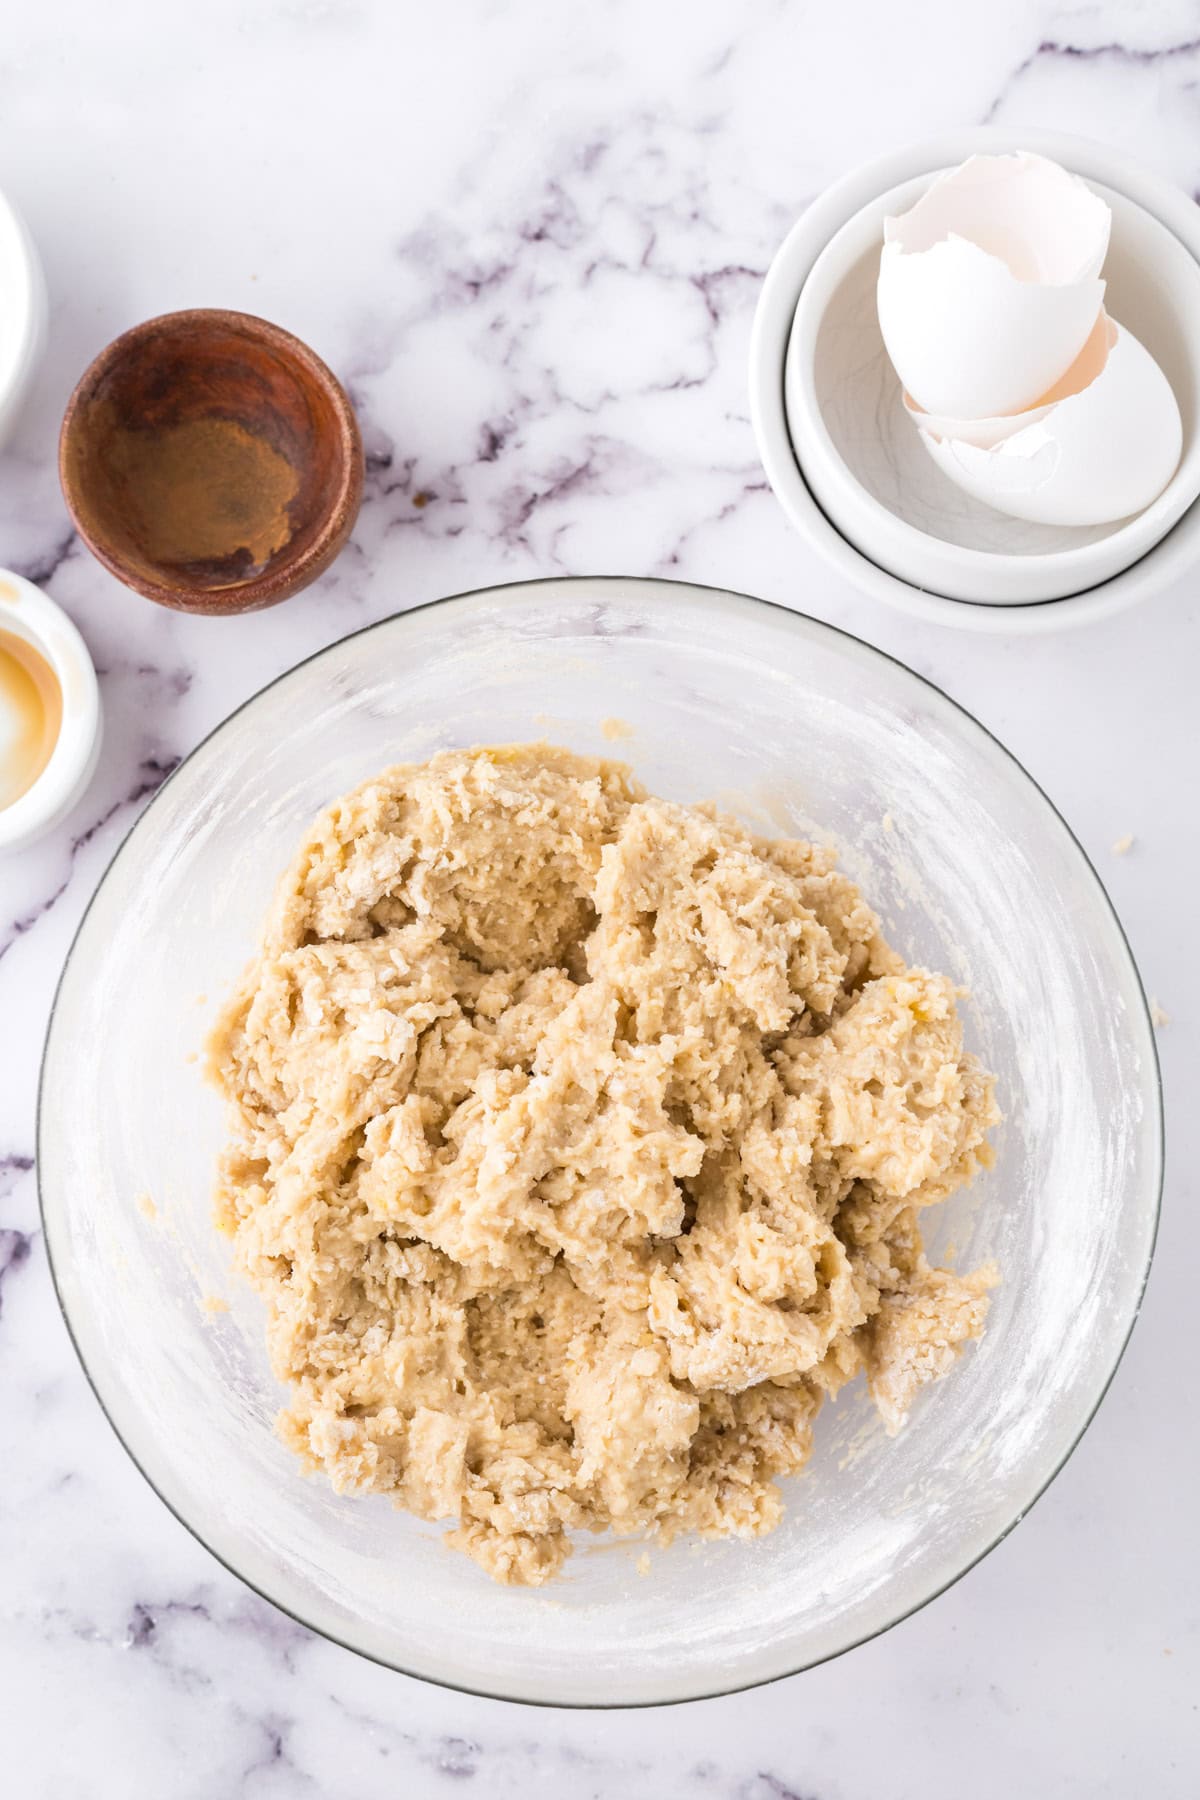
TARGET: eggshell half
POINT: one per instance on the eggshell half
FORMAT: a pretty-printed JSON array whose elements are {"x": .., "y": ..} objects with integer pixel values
[
  {"x": 990, "y": 285},
  {"x": 1101, "y": 454},
  {"x": 985, "y": 434}
]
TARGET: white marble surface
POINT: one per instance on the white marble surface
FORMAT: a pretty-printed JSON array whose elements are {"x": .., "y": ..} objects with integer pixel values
[{"x": 530, "y": 237}]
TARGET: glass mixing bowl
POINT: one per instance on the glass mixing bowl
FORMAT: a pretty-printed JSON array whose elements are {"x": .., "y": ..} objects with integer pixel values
[{"x": 800, "y": 729}]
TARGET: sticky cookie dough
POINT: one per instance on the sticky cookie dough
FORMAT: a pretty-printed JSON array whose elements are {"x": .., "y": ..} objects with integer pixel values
[{"x": 579, "y": 1142}]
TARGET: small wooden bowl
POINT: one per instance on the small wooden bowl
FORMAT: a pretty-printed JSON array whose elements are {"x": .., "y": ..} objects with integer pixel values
[{"x": 211, "y": 461}]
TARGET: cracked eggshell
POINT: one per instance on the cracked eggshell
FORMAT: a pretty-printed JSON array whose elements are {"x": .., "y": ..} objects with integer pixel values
[
  {"x": 985, "y": 434},
  {"x": 989, "y": 287},
  {"x": 1100, "y": 454}
]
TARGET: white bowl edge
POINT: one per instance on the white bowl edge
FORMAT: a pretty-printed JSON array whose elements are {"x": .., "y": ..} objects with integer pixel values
[{"x": 28, "y": 613}]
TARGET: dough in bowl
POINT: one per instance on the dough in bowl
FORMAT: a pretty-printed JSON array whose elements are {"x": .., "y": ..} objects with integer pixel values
[{"x": 579, "y": 1142}]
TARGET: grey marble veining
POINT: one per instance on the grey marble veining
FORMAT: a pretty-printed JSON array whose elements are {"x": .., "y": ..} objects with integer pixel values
[{"x": 531, "y": 240}]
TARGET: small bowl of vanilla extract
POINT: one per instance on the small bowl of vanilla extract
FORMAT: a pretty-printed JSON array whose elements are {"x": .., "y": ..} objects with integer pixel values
[
  {"x": 49, "y": 713},
  {"x": 211, "y": 461}
]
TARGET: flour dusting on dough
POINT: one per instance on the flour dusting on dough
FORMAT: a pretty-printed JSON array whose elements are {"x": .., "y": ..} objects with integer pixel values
[{"x": 578, "y": 1145}]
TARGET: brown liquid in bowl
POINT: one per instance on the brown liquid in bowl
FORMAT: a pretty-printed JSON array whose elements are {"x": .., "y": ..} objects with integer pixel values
[
  {"x": 211, "y": 461},
  {"x": 205, "y": 490}
]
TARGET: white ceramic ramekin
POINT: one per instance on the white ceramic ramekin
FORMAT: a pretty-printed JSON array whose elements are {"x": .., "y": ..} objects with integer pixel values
[
  {"x": 889, "y": 555},
  {"x": 863, "y": 459},
  {"x": 27, "y": 613},
  {"x": 22, "y": 314}
]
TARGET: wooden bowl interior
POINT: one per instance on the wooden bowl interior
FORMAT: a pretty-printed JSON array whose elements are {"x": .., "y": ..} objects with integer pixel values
[{"x": 205, "y": 456}]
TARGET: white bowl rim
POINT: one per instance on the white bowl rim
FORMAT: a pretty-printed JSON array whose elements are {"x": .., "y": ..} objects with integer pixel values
[
  {"x": 27, "y": 612},
  {"x": 710, "y": 597},
  {"x": 1165, "y": 202},
  {"x": 1086, "y": 563},
  {"x": 23, "y": 272}
]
